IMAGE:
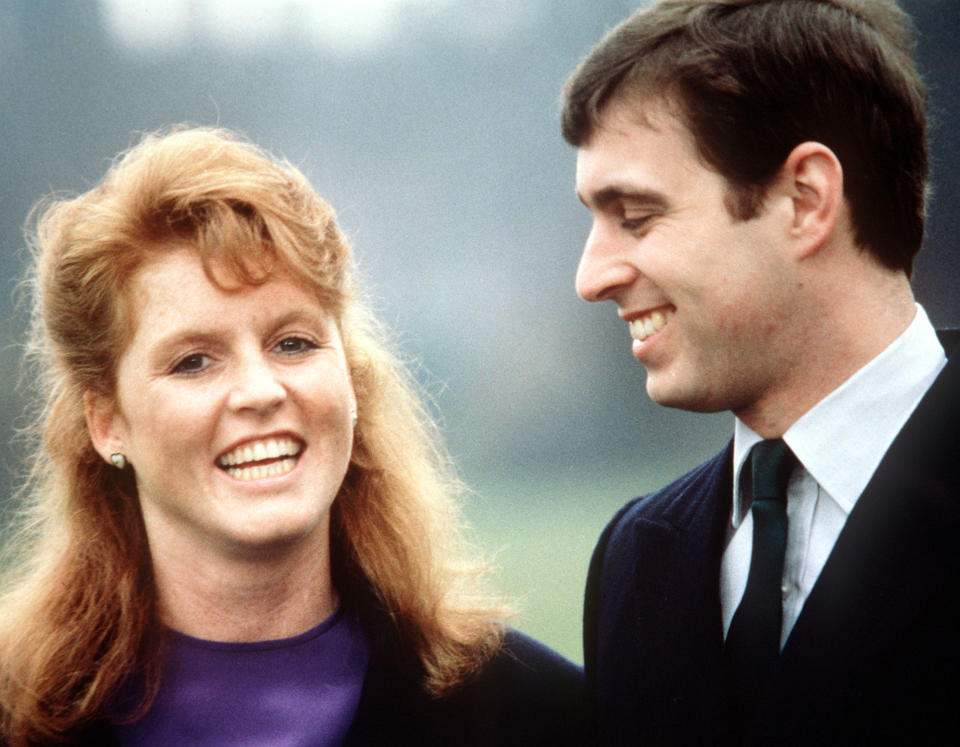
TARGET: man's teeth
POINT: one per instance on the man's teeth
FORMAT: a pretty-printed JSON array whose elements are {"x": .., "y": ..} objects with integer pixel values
[
  {"x": 244, "y": 462},
  {"x": 642, "y": 328}
]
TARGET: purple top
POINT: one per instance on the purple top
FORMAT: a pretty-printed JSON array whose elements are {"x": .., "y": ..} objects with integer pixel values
[{"x": 295, "y": 691}]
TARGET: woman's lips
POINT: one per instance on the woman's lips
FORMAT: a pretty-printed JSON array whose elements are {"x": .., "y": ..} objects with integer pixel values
[{"x": 262, "y": 458}]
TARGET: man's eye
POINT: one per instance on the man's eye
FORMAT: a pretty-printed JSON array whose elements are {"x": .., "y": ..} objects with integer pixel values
[
  {"x": 294, "y": 345},
  {"x": 634, "y": 224},
  {"x": 191, "y": 364}
]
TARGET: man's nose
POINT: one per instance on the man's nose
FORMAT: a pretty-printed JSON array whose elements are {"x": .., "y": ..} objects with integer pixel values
[{"x": 604, "y": 266}]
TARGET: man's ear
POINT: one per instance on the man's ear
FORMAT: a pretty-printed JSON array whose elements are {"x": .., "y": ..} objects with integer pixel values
[
  {"x": 103, "y": 423},
  {"x": 813, "y": 179}
]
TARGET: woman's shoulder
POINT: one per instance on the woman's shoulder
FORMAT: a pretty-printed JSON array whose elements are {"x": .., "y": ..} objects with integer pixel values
[
  {"x": 526, "y": 694},
  {"x": 524, "y": 664},
  {"x": 529, "y": 694}
]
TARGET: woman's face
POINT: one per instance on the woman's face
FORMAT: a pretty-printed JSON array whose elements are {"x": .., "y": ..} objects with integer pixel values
[{"x": 234, "y": 409}]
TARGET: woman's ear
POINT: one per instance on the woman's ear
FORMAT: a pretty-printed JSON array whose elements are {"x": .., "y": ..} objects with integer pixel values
[
  {"x": 103, "y": 423},
  {"x": 813, "y": 178}
]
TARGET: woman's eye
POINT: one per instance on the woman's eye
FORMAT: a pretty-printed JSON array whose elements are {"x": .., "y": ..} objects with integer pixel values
[
  {"x": 294, "y": 345},
  {"x": 191, "y": 364}
]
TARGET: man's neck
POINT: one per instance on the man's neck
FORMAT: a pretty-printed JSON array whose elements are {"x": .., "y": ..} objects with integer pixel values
[{"x": 858, "y": 314}]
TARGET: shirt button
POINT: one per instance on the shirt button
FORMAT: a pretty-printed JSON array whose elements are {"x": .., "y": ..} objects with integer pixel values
[{"x": 785, "y": 587}]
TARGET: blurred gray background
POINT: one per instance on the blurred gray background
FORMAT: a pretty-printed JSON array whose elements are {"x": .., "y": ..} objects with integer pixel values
[{"x": 431, "y": 126}]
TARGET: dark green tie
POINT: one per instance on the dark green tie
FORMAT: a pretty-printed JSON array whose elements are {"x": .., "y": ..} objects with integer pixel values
[{"x": 753, "y": 640}]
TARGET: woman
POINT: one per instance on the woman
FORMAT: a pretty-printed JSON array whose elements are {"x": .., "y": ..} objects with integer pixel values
[{"x": 239, "y": 524}]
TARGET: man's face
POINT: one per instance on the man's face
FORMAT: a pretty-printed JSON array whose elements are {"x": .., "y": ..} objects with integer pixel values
[{"x": 711, "y": 301}]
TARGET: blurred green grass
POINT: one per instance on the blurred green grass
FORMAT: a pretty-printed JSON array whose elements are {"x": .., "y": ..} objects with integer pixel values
[{"x": 541, "y": 532}]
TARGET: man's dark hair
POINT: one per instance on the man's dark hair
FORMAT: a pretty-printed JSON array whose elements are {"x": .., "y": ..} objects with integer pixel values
[{"x": 752, "y": 79}]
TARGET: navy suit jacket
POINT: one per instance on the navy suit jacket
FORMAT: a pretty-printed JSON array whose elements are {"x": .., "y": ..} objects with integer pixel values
[{"x": 874, "y": 657}]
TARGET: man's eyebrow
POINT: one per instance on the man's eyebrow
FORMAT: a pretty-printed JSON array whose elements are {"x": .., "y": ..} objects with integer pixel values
[{"x": 609, "y": 195}]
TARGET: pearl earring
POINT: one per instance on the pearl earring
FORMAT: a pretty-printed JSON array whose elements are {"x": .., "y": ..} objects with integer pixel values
[
  {"x": 353, "y": 416},
  {"x": 119, "y": 460}
]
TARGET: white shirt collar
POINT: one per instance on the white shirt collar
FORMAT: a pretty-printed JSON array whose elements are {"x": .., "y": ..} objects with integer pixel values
[{"x": 841, "y": 440}]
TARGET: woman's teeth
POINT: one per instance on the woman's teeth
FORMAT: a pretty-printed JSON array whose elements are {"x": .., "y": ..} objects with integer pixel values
[
  {"x": 262, "y": 471},
  {"x": 260, "y": 459}
]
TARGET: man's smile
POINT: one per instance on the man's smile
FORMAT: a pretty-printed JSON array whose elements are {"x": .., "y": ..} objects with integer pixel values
[{"x": 650, "y": 322}]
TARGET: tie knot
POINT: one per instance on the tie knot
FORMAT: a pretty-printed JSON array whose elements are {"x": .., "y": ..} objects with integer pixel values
[{"x": 771, "y": 463}]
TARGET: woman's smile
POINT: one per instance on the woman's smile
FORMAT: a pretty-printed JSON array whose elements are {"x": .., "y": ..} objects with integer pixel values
[{"x": 261, "y": 458}]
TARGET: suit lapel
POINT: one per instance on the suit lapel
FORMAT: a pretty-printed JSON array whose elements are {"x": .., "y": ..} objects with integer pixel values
[
  {"x": 669, "y": 614},
  {"x": 894, "y": 555}
]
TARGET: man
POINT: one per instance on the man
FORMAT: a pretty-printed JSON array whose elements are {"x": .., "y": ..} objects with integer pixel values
[{"x": 756, "y": 172}]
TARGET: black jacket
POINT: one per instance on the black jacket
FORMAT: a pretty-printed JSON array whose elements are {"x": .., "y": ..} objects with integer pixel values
[
  {"x": 526, "y": 695},
  {"x": 873, "y": 659}
]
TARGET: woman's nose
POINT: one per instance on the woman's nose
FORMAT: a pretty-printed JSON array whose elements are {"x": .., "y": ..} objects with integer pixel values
[{"x": 257, "y": 387}]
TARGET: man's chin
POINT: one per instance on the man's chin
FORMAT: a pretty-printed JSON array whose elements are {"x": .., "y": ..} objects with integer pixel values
[{"x": 667, "y": 392}]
